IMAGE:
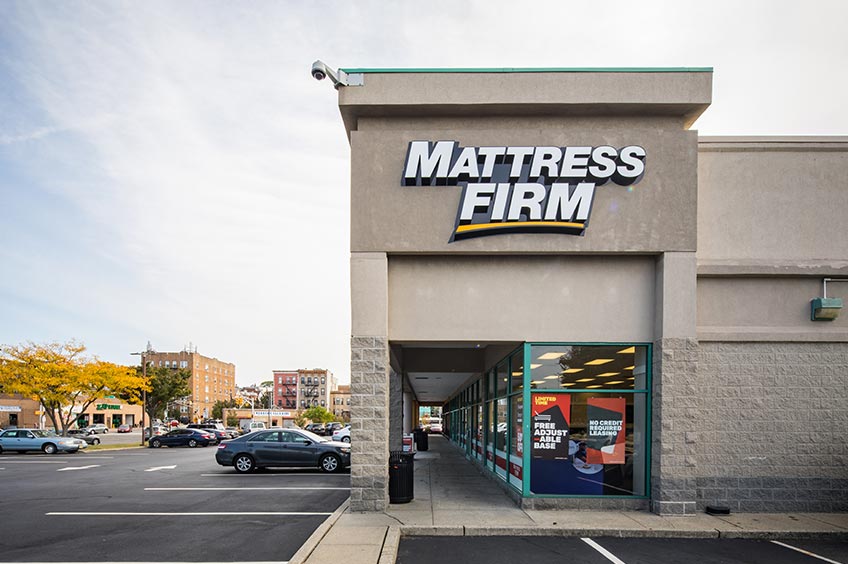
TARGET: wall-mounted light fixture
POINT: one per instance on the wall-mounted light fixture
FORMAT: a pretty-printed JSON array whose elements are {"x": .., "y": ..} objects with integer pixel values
[{"x": 824, "y": 308}]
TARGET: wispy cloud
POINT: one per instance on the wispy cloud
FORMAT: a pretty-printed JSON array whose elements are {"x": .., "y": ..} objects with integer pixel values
[{"x": 171, "y": 172}]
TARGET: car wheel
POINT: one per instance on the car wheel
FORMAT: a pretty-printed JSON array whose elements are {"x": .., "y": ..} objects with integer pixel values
[
  {"x": 346, "y": 439},
  {"x": 1, "y": 450},
  {"x": 155, "y": 443},
  {"x": 244, "y": 464},
  {"x": 49, "y": 448},
  {"x": 192, "y": 443},
  {"x": 330, "y": 463},
  {"x": 95, "y": 442}
]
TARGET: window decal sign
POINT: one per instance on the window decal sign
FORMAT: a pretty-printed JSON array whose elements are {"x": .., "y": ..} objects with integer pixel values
[
  {"x": 605, "y": 444},
  {"x": 550, "y": 415},
  {"x": 521, "y": 189}
]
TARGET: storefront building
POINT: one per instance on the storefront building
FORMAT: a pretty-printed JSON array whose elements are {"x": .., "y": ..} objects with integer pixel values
[
  {"x": 17, "y": 411},
  {"x": 612, "y": 311},
  {"x": 111, "y": 412}
]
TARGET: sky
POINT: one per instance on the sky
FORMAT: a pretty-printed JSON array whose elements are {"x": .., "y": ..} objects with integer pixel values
[{"x": 171, "y": 173}]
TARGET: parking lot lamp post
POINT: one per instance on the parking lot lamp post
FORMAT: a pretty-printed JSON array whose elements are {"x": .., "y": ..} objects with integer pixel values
[{"x": 143, "y": 394}]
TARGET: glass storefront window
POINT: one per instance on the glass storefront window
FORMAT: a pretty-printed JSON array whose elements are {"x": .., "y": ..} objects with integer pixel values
[
  {"x": 589, "y": 424},
  {"x": 500, "y": 438},
  {"x": 606, "y": 452},
  {"x": 517, "y": 371},
  {"x": 478, "y": 432},
  {"x": 490, "y": 434},
  {"x": 502, "y": 378},
  {"x": 582, "y": 367},
  {"x": 516, "y": 443}
]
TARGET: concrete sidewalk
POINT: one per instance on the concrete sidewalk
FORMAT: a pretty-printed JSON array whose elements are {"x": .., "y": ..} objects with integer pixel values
[{"x": 452, "y": 498}]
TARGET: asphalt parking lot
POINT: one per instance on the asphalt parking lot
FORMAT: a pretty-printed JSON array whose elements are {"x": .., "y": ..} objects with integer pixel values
[
  {"x": 543, "y": 550},
  {"x": 164, "y": 505}
]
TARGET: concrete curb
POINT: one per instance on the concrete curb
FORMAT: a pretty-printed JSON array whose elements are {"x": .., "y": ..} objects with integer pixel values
[
  {"x": 306, "y": 550},
  {"x": 388, "y": 554},
  {"x": 415, "y": 531}
]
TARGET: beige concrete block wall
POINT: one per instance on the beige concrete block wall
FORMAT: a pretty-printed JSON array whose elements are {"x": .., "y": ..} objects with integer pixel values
[{"x": 774, "y": 423}]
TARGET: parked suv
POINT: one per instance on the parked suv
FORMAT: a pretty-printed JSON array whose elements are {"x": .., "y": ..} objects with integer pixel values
[
  {"x": 91, "y": 439},
  {"x": 97, "y": 428},
  {"x": 331, "y": 428},
  {"x": 317, "y": 428},
  {"x": 221, "y": 434}
]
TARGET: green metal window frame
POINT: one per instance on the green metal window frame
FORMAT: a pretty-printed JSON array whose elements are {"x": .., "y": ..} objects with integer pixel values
[
  {"x": 487, "y": 387},
  {"x": 526, "y": 472}
]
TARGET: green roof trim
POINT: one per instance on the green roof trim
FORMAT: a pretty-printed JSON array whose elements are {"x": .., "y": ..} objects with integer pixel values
[{"x": 540, "y": 69}]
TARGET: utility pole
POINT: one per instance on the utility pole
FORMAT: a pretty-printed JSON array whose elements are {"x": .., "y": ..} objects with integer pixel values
[{"x": 143, "y": 355}]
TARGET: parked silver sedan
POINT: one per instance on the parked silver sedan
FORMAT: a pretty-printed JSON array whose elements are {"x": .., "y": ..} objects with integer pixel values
[{"x": 24, "y": 440}]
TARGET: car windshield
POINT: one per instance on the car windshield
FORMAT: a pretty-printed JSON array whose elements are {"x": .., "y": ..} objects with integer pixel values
[{"x": 313, "y": 437}]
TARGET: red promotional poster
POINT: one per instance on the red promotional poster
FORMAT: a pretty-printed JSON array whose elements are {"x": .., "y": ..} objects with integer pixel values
[
  {"x": 605, "y": 444},
  {"x": 550, "y": 414}
]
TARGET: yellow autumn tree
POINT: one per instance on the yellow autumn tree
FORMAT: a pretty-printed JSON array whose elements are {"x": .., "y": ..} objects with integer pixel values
[{"x": 63, "y": 379}]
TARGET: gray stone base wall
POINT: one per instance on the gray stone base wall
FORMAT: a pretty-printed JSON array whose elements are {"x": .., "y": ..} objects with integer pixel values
[
  {"x": 369, "y": 424},
  {"x": 676, "y": 422},
  {"x": 774, "y": 426}
]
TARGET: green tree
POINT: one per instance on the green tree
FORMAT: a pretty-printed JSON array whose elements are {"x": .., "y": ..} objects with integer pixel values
[
  {"x": 266, "y": 400},
  {"x": 300, "y": 418},
  {"x": 220, "y": 406},
  {"x": 165, "y": 386},
  {"x": 63, "y": 379},
  {"x": 318, "y": 414}
]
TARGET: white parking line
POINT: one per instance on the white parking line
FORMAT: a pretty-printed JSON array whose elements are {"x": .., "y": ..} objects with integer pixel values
[
  {"x": 157, "y": 468},
  {"x": 606, "y": 553},
  {"x": 77, "y": 467},
  {"x": 807, "y": 552},
  {"x": 178, "y": 513},
  {"x": 35, "y": 461},
  {"x": 233, "y": 489}
]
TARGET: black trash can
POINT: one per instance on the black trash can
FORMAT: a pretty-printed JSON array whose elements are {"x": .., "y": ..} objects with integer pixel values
[
  {"x": 422, "y": 440},
  {"x": 400, "y": 476}
]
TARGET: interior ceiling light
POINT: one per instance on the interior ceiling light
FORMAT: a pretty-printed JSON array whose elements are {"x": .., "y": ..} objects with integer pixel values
[
  {"x": 614, "y": 382},
  {"x": 551, "y": 356},
  {"x": 598, "y": 361},
  {"x": 518, "y": 373},
  {"x": 572, "y": 370},
  {"x": 551, "y": 377},
  {"x": 534, "y": 366},
  {"x": 568, "y": 384},
  {"x": 606, "y": 374},
  {"x": 628, "y": 350},
  {"x": 537, "y": 382},
  {"x": 591, "y": 387},
  {"x": 586, "y": 380},
  {"x": 628, "y": 367},
  {"x": 631, "y": 378}
]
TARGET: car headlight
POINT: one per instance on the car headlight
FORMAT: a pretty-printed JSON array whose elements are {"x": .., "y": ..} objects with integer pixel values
[{"x": 344, "y": 450}]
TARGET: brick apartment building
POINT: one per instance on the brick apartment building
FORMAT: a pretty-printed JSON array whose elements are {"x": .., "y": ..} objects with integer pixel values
[
  {"x": 211, "y": 380},
  {"x": 303, "y": 388},
  {"x": 340, "y": 402}
]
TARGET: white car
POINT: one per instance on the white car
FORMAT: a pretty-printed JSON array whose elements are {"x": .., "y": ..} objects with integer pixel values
[{"x": 342, "y": 434}]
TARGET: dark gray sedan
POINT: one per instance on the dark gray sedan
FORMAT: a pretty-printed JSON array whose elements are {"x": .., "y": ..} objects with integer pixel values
[{"x": 283, "y": 447}]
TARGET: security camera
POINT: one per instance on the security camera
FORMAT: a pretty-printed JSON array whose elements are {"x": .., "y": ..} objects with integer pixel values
[{"x": 320, "y": 71}]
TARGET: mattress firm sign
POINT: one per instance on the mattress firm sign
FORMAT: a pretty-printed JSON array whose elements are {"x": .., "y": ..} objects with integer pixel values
[{"x": 522, "y": 189}]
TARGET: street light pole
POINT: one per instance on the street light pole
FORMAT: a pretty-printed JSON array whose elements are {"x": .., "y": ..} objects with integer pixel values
[{"x": 143, "y": 391}]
